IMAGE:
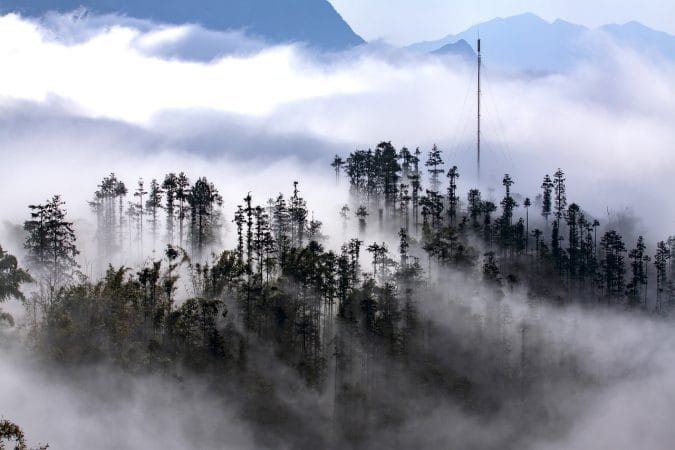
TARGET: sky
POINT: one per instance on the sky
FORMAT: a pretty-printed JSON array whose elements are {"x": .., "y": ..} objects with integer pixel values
[{"x": 406, "y": 22}]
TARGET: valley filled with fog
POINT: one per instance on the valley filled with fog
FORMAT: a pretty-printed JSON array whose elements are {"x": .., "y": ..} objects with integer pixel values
[{"x": 308, "y": 322}]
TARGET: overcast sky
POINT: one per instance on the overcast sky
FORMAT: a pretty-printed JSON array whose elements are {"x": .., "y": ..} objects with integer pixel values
[{"x": 407, "y": 21}]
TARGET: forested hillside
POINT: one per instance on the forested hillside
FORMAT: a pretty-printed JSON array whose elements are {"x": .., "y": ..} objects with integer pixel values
[{"x": 438, "y": 316}]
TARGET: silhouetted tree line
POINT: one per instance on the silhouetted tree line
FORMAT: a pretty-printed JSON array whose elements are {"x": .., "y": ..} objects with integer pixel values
[
  {"x": 348, "y": 324},
  {"x": 588, "y": 267},
  {"x": 190, "y": 210}
]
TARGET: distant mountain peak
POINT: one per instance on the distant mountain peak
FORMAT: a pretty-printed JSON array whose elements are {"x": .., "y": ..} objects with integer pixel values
[
  {"x": 460, "y": 48},
  {"x": 636, "y": 24},
  {"x": 527, "y": 42},
  {"x": 314, "y": 22},
  {"x": 524, "y": 16}
]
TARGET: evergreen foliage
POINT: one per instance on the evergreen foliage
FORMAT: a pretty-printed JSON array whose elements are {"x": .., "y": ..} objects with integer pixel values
[{"x": 353, "y": 320}]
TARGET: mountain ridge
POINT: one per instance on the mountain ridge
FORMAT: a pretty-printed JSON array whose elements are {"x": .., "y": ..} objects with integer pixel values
[
  {"x": 527, "y": 42},
  {"x": 460, "y": 48},
  {"x": 315, "y": 22}
]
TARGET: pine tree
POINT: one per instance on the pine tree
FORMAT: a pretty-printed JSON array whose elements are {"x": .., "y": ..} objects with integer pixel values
[
  {"x": 475, "y": 206},
  {"x": 204, "y": 200},
  {"x": 434, "y": 163},
  {"x": 555, "y": 246},
  {"x": 240, "y": 220},
  {"x": 263, "y": 243},
  {"x": 344, "y": 215},
  {"x": 182, "y": 195},
  {"x": 132, "y": 222},
  {"x": 362, "y": 213},
  {"x": 109, "y": 195},
  {"x": 356, "y": 170},
  {"x": 574, "y": 238},
  {"x": 281, "y": 226},
  {"x": 337, "y": 165},
  {"x": 596, "y": 225},
  {"x": 560, "y": 195},
  {"x": 432, "y": 207},
  {"x": 379, "y": 253},
  {"x": 388, "y": 170},
  {"x": 140, "y": 192},
  {"x": 537, "y": 234},
  {"x": 248, "y": 220},
  {"x": 406, "y": 159},
  {"x": 152, "y": 205},
  {"x": 588, "y": 264},
  {"x": 639, "y": 263},
  {"x": 508, "y": 205},
  {"x": 170, "y": 187},
  {"x": 416, "y": 188},
  {"x": 314, "y": 230},
  {"x": 547, "y": 202},
  {"x": 298, "y": 213},
  {"x": 519, "y": 236},
  {"x": 613, "y": 264},
  {"x": 121, "y": 192},
  {"x": 487, "y": 208},
  {"x": 404, "y": 205},
  {"x": 527, "y": 203},
  {"x": 51, "y": 243},
  {"x": 453, "y": 199},
  {"x": 661, "y": 259},
  {"x": 404, "y": 245}
]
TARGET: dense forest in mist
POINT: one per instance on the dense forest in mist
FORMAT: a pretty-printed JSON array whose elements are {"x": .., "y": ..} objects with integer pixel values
[{"x": 434, "y": 306}]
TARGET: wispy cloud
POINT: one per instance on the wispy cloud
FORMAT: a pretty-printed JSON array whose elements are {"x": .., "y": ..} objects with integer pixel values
[
  {"x": 80, "y": 98},
  {"x": 117, "y": 85}
]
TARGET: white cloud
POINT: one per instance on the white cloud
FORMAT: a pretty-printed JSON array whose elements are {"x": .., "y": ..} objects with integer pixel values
[
  {"x": 111, "y": 87},
  {"x": 84, "y": 97},
  {"x": 109, "y": 75}
]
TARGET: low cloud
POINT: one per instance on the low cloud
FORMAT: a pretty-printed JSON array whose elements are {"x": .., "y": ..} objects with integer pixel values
[
  {"x": 84, "y": 96},
  {"x": 156, "y": 88},
  {"x": 104, "y": 408}
]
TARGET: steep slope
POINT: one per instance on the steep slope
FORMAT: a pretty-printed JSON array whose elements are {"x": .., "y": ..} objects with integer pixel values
[
  {"x": 312, "y": 21},
  {"x": 460, "y": 48},
  {"x": 642, "y": 38},
  {"x": 529, "y": 43},
  {"x": 525, "y": 42}
]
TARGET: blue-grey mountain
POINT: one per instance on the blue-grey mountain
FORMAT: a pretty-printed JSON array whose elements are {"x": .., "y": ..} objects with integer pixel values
[
  {"x": 314, "y": 22},
  {"x": 640, "y": 37},
  {"x": 529, "y": 43},
  {"x": 460, "y": 48}
]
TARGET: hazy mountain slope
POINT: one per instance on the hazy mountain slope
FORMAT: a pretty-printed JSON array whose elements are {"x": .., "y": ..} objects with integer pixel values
[
  {"x": 524, "y": 42},
  {"x": 313, "y": 21},
  {"x": 459, "y": 48},
  {"x": 529, "y": 43},
  {"x": 642, "y": 38}
]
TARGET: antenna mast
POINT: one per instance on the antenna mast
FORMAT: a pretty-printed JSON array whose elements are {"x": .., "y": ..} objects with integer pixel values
[{"x": 478, "y": 133}]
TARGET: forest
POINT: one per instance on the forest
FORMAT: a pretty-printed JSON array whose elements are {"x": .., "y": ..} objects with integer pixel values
[{"x": 432, "y": 303}]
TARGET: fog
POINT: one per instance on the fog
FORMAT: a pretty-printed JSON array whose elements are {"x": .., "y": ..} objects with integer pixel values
[
  {"x": 105, "y": 408},
  {"x": 91, "y": 86},
  {"x": 81, "y": 97},
  {"x": 620, "y": 395}
]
